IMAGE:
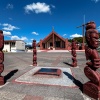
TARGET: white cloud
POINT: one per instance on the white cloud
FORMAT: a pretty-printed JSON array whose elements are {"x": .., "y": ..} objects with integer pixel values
[
  {"x": 35, "y": 33},
  {"x": 10, "y": 19},
  {"x": 15, "y": 37},
  {"x": 9, "y": 6},
  {"x": 5, "y": 24},
  {"x": 23, "y": 38},
  {"x": 18, "y": 38},
  {"x": 75, "y": 35},
  {"x": 37, "y": 8},
  {"x": 29, "y": 43},
  {"x": 37, "y": 41},
  {"x": 9, "y": 27},
  {"x": 98, "y": 28},
  {"x": 64, "y": 34},
  {"x": 96, "y": 1},
  {"x": 52, "y": 6},
  {"x": 6, "y": 33},
  {"x": 32, "y": 39}
]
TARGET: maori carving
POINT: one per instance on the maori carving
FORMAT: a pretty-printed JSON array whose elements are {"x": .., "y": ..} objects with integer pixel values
[
  {"x": 92, "y": 88},
  {"x": 1, "y": 57},
  {"x": 34, "y": 53},
  {"x": 73, "y": 52}
]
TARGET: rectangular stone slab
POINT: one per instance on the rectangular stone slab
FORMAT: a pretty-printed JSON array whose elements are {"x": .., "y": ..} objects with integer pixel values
[{"x": 49, "y": 71}]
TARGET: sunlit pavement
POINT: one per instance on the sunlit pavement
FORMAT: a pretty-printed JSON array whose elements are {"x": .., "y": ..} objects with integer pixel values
[{"x": 20, "y": 85}]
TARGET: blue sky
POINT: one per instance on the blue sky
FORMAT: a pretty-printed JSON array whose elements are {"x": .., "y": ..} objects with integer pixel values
[{"x": 33, "y": 19}]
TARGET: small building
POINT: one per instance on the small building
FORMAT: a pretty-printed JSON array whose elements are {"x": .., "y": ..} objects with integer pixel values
[
  {"x": 55, "y": 42},
  {"x": 14, "y": 45}
]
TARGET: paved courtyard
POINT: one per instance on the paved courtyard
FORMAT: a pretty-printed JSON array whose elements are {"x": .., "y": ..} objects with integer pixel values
[{"x": 19, "y": 85}]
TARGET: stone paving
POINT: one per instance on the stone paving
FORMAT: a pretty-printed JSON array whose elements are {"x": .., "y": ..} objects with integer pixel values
[
  {"x": 18, "y": 64},
  {"x": 62, "y": 80}
]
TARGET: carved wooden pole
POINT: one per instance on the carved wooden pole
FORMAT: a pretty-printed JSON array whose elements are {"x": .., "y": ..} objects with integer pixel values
[
  {"x": 73, "y": 52},
  {"x": 92, "y": 88},
  {"x": 1, "y": 57},
  {"x": 34, "y": 53}
]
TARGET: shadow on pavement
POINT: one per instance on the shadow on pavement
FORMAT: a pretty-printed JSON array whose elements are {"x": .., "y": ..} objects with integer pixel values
[
  {"x": 75, "y": 81},
  {"x": 9, "y": 75},
  {"x": 67, "y": 64}
]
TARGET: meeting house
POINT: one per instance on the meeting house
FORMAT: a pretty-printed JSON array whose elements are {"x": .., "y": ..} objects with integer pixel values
[{"x": 54, "y": 42}]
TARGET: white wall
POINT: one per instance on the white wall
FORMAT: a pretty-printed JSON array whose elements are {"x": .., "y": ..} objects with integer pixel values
[
  {"x": 13, "y": 49},
  {"x": 6, "y": 47},
  {"x": 20, "y": 45}
]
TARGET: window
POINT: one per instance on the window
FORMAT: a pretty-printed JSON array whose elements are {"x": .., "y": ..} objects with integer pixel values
[
  {"x": 6, "y": 43},
  {"x": 57, "y": 43},
  {"x": 51, "y": 44},
  {"x": 13, "y": 44}
]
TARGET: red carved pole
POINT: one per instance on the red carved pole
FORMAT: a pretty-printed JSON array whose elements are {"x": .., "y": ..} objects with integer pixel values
[
  {"x": 34, "y": 53},
  {"x": 92, "y": 88},
  {"x": 73, "y": 52},
  {"x": 1, "y": 57}
]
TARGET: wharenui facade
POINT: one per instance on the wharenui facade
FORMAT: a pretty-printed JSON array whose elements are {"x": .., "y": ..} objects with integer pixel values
[{"x": 54, "y": 42}]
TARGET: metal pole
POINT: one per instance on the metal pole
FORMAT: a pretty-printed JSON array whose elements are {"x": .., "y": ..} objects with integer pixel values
[{"x": 83, "y": 30}]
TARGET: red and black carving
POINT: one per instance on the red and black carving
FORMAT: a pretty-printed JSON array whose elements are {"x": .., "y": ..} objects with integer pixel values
[
  {"x": 73, "y": 52},
  {"x": 92, "y": 88},
  {"x": 34, "y": 53},
  {"x": 1, "y": 57}
]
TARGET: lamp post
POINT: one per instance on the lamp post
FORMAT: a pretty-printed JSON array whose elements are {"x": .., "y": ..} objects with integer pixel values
[{"x": 83, "y": 27}]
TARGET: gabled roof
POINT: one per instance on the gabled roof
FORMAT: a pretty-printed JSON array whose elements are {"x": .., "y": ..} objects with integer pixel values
[{"x": 51, "y": 34}]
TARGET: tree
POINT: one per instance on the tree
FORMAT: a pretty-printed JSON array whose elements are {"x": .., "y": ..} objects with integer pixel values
[
  {"x": 78, "y": 39},
  {"x": 69, "y": 40}
]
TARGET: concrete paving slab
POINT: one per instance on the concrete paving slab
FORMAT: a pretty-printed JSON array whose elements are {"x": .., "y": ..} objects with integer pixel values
[
  {"x": 53, "y": 98},
  {"x": 11, "y": 95},
  {"x": 31, "y": 91},
  {"x": 64, "y": 80},
  {"x": 29, "y": 97}
]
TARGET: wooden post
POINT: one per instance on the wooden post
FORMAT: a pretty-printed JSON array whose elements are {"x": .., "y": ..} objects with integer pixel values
[
  {"x": 73, "y": 52},
  {"x": 53, "y": 40},
  {"x": 1, "y": 57},
  {"x": 92, "y": 87},
  {"x": 66, "y": 44},
  {"x": 41, "y": 46},
  {"x": 34, "y": 53}
]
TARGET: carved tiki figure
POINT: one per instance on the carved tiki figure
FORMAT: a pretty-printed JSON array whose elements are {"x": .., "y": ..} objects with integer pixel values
[
  {"x": 92, "y": 88},
  {"x": 73, "y": 52},
  {"x": 1, "y": 57},
  {"x": 34, "y": 53}
]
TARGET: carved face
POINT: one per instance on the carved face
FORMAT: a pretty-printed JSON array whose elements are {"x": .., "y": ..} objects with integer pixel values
[{"x": 94, "y": 40}]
